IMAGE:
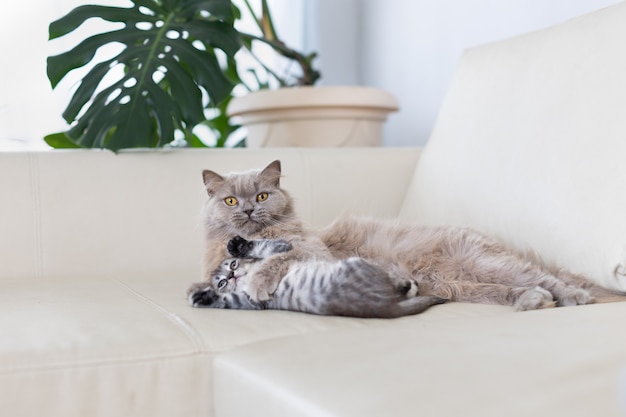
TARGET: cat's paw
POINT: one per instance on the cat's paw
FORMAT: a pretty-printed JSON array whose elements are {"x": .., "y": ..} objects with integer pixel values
[
  {"x": 534, "y": 299},
  {"x": 259, "y": 290},
  {"x": 201, "y": 294},
  {"x": 239, "y": 247},
  {"x": 573, "y": 296}
]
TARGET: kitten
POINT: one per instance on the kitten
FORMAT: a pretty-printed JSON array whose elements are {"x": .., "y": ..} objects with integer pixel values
[
  {"x": 351, "y": 287},
  {"x": 253, "y": 205}
]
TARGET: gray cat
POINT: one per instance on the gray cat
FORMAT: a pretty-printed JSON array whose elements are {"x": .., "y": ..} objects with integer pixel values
[
  {"x": 351, "y": 287},
  {"x": 459, "y": 264}
]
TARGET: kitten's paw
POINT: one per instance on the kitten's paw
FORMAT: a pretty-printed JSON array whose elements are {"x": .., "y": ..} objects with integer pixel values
[
  {"x": 197, "y": 286},
  {"x": 408, "y": 288},
  {"x": 434, "y": 300},
  {"x": 201, "y": 295},
  {"x": 405, "y": 283},
  {"x": 416, "y": 305},
  {"x": 534, "y": 299},
  {"x": 574, "y": 296},
  {"x": 239, "y": 247}
]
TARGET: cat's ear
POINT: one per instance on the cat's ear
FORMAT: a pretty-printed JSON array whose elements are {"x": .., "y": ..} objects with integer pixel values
[
  {"x": 212, "y": 180},
  {"x": 272, "y": 173}
]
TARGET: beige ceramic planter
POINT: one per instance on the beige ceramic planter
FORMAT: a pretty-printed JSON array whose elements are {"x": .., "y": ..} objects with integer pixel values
[{"x": 314, "y": 116}]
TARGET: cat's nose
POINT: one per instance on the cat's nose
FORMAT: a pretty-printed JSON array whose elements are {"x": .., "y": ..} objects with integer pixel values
[{"x": 248, "y": 212}]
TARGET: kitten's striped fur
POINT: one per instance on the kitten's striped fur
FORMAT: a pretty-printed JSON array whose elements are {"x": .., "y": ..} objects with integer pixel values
[{"x": 352, "y": 287}]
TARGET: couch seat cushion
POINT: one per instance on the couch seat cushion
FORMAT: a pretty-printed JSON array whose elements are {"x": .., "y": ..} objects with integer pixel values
[
  {"x": 130, "y": 345},
  {"x": 565, "y": 361}
]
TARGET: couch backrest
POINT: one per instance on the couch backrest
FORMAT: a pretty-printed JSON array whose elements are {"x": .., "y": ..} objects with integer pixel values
[
  {"x": 530, "y": 145},
  {"x": 83, "y": 212}
]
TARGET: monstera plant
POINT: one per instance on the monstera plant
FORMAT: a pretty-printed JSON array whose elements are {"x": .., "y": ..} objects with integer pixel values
[{"x": 178, "y": 60}]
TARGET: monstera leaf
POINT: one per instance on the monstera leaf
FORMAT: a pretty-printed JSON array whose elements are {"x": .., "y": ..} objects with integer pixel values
[{"x": 169, "y": 59}]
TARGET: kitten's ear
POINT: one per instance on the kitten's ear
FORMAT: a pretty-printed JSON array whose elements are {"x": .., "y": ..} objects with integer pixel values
[
  {"x": 272, "y": 173},
  {"x": 212, "y": 180}
]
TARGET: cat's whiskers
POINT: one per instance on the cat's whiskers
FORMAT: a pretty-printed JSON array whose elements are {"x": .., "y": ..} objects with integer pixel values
[{"x": 285, "y": 225}]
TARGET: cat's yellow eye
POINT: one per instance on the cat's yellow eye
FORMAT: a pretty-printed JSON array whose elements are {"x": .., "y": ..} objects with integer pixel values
[
  {"x": 230, "y": 201},
  {"x": 262, "y": 197}
]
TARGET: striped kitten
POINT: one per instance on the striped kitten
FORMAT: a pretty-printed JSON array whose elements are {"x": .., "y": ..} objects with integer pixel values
[{"x": 352, "y": 287}]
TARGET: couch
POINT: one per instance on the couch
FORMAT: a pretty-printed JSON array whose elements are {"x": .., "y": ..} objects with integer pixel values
[{"x": 98, "y": 249}]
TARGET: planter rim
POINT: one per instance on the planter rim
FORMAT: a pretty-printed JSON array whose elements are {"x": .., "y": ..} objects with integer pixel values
[{"x": 302, "y": 97}]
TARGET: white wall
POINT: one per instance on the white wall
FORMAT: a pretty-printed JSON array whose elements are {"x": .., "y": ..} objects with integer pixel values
[
  {"x": 411, "y": 47},
  {"x": 333, "y": 29}
]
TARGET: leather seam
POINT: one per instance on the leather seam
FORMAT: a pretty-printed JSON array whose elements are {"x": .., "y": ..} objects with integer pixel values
[
  {"x": 177, "y": 320},
  {"x": 37, "y": 215},
  {"x": 65, "y": 365}
]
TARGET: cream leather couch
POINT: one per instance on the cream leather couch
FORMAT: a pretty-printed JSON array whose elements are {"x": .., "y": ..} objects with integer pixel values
[{"x": 97, "y": 251}]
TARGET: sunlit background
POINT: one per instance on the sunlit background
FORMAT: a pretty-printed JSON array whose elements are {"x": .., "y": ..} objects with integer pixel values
[{"x": 409, "y": 47}]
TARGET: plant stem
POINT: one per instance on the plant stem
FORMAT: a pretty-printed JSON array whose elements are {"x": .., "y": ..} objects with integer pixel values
[
  {"x": 268, "y": 29},
  {"x": 309, "y": 75},
  {"x": 270, "y": 37}
]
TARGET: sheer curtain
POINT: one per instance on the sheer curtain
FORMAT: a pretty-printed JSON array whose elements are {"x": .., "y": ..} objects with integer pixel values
[{"x": 29, "y": 108}]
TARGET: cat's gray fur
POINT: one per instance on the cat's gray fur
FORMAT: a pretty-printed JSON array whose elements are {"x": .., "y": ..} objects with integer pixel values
[
  {"x": 351, "y": 287},
  {"x": 459, "y": 264},
  {"x": 255, "y": 218}
]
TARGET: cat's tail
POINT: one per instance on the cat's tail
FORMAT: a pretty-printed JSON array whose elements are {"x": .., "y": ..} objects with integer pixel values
[
  {"x": 414, "y": 305},
  {"x": 598, "y": 293},
  {"x": 602, "y": 295}
]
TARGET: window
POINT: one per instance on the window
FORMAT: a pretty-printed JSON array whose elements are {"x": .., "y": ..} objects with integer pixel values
[{"x": 29, "y": 108}]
